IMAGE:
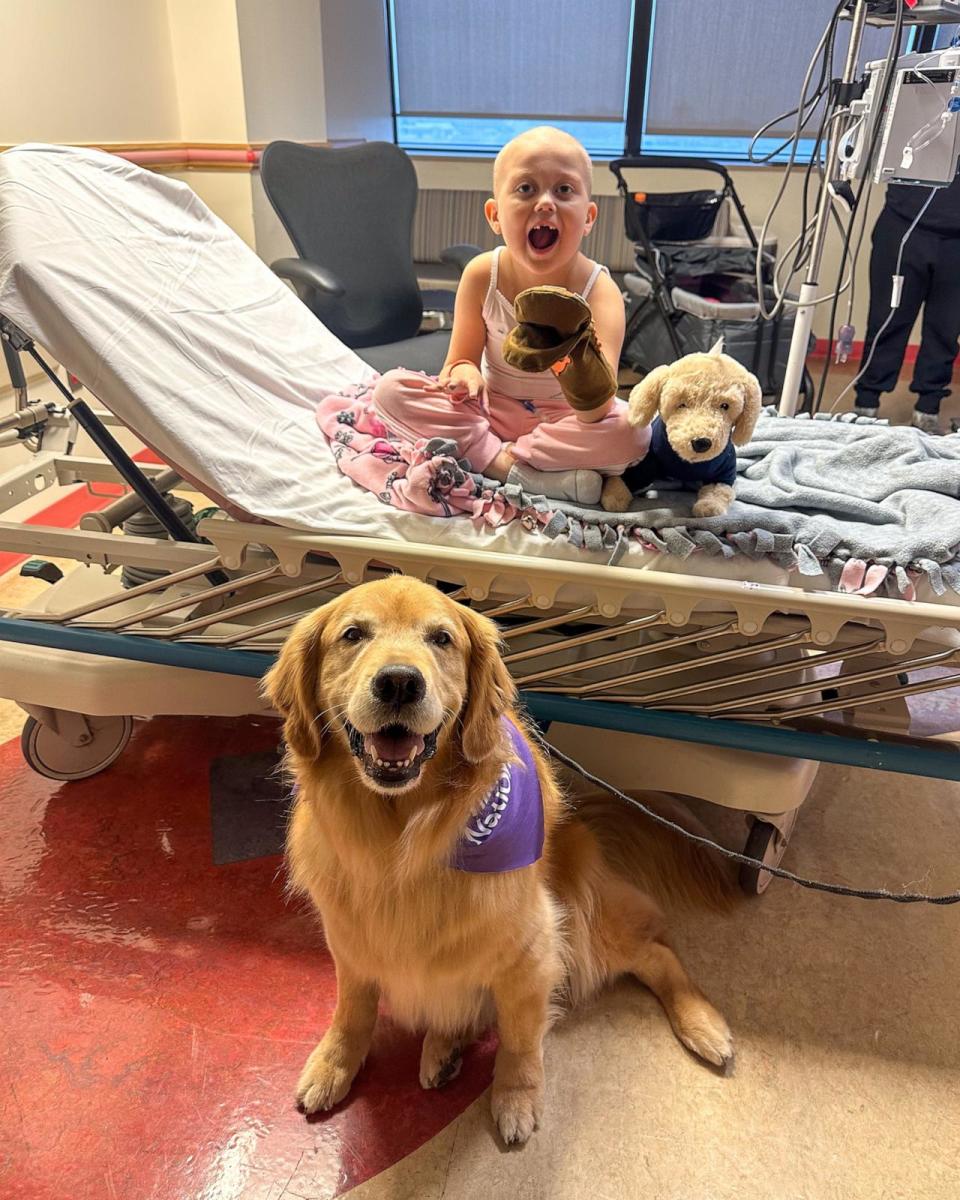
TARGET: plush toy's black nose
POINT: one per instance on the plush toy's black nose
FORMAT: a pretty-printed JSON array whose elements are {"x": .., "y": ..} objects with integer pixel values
[
  {"x": 399, "y": 685},
  {"x": 701, "y": 445}
]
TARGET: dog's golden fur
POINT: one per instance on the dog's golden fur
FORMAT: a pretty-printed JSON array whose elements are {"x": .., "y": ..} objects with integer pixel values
[{"x": 451, "y": 951}]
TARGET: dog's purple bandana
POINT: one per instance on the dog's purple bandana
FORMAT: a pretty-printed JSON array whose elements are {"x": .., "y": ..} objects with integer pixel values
[{"x": 507, "y": 832}]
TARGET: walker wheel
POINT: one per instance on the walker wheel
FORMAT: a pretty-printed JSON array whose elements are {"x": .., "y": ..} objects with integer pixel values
[
  {"x": 51, "y": 755},
  {"x": 768, "y": 844}
]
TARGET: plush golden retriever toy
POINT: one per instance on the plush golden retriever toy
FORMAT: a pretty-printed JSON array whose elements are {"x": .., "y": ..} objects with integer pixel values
[
  {"x": 451, "y": 876},
  {"x": 700, "y": 407}
]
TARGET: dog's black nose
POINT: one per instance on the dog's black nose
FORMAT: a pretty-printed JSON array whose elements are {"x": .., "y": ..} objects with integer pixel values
[
  {"x": 701, "y": 445},
  {"x": 399, "y": 685}
]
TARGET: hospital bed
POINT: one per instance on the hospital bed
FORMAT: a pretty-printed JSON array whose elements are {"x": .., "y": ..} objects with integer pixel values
[{"x": 722, "y": 678}]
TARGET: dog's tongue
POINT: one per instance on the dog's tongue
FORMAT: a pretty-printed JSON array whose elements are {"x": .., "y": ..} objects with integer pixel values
[{"x": 393, "y": 744}]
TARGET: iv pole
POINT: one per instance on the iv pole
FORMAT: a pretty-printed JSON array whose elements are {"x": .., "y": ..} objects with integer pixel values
[{"x": 790, "y": 394}]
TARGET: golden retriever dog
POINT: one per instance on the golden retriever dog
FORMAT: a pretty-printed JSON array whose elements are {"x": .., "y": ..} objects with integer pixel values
[{"x": 404, "y": 744}]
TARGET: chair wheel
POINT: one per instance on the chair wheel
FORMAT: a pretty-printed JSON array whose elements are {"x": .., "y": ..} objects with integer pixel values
[
  {"x": 767, "y": 843},
  {"x": 51, "y": 755}
]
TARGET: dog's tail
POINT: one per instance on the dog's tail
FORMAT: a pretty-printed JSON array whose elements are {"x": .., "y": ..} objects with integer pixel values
[{"x": 659, "y": 861}]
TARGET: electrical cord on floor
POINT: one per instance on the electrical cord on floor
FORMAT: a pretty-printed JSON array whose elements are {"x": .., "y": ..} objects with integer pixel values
[{"x": 836, "y": 889}]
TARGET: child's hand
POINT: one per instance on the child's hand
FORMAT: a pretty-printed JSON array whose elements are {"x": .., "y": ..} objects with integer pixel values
[{"x": 463, "y": 380}]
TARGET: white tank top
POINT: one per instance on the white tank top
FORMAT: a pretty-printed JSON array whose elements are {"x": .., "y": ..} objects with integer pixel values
[{"x": 538, "y": 387}]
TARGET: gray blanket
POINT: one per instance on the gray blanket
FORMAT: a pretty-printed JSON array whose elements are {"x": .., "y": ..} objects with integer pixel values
[{"x": 832, "y": 496}]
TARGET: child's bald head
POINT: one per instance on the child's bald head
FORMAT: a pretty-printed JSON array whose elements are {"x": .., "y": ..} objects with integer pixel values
[{"x": 544, "y": 139}]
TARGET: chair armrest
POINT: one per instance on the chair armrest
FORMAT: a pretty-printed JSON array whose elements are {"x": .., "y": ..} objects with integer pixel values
[
  {"x": 458, "y": 256},
  {"x": 309, "y": 274}
]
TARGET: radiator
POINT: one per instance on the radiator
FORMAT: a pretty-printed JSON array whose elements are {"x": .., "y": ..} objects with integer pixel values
[{"x": 445, "y": 217}]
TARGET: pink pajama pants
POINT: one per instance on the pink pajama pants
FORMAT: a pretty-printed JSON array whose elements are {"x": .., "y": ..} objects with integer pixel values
[{"x": 549, "y": 438}]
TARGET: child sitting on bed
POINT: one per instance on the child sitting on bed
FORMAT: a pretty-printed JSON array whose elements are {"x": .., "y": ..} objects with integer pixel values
[{"x": 511, "y": 425}]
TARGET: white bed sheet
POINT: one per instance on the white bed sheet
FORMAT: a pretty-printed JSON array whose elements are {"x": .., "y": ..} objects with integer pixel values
[{"x": 187, "y": 336}]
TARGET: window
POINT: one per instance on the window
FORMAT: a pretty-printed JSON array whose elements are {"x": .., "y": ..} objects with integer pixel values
[
  {"x": 719, "y": 69},
  {"x": 468, "y": 76},
  {"x": 672, "y": 77}
]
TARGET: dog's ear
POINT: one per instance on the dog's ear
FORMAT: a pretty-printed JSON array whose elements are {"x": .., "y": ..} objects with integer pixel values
[
  {"x": 645, "y": 397},
  {"x": 752, "y": 400},
  {"x": 490, "y": 688},
  {"x": 291, "y": 686}
]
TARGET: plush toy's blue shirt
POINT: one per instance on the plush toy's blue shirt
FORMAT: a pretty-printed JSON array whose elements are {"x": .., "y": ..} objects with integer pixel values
[{"x": 662, "y": 462}]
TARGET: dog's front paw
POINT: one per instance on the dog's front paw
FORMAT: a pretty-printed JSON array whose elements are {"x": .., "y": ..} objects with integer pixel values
[
  {"x": 516, "y": 1111},
  {"x": 440, "y": 1060},
  {"x": 616, "y": 496},
  {"x": 323, "y": 1083},
  {"x": 713, "y": 500}
]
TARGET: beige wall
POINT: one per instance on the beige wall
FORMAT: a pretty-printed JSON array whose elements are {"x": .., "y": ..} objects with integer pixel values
[
  {"x": 283, "y": 69},
  {"x": 129, "y": 71},
  {"x": 205, "y": 47},
  {"x": 358, "y": 99},
  {"x": 284, "y": 82},
  {"x": 86, "y": 71},
  {"x": 229, "y": 194},
  {"x": 205, "y": 51}
]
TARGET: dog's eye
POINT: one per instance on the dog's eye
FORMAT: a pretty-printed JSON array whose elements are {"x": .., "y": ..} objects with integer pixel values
[
  {"x": 352, "y": 633},
  {"x": 682, "y": 404},
  {"x": 440, "y": 637},
  {"x": 724, "y": 406}
]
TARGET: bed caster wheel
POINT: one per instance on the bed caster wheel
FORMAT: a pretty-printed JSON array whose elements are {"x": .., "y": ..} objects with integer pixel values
[
  {"x": 768, "y": 843},
  {"x": 52, "y": 755}
]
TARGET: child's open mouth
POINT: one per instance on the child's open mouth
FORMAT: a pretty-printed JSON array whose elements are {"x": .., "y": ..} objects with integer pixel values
[{"x": 543, "y": 237}]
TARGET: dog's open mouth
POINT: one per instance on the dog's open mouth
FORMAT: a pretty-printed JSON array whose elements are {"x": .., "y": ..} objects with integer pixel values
[
  {"x": 543, "y": 237},
  {"x": 392, "y": 755}
]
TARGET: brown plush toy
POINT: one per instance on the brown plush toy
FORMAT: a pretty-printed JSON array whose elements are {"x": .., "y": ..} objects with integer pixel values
[
  {"x": 554, "y": 332},
  {"x": 700, "y": 408}
]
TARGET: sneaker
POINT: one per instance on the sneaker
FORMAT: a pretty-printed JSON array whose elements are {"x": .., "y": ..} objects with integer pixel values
[
  {"x": 926, "y": 422},
  {"x": 580, "y": 487}
]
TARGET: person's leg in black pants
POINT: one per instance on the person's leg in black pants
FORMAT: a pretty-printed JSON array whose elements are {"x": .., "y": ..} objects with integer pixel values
[
  {"x": 887, "y": 358},
  {"x": 941, "y": 326}
]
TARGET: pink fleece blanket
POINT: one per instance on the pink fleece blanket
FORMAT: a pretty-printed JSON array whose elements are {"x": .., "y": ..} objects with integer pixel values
[{"x": 422, "y": 476}]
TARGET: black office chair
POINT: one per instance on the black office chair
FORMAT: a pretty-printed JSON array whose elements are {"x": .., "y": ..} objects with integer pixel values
[{"x": 349, "y": 213}]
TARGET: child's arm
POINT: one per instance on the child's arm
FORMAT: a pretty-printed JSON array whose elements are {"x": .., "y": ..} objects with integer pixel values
[
  {"x": 609, "y": 320},
  {"x": 461, "y": 369}
]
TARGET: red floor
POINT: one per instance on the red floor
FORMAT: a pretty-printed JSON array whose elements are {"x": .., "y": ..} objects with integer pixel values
[{"x": 157, "y": 1008}]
